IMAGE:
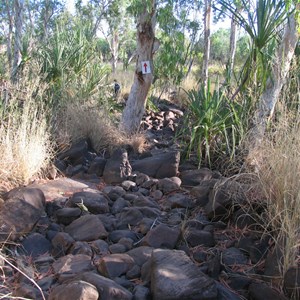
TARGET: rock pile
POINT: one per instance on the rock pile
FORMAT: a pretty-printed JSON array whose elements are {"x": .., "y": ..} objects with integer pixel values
[{"x": 140, "y": 228}]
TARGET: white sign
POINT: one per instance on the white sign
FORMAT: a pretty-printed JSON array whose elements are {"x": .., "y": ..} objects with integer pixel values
[{"x": 146, "y": 67}]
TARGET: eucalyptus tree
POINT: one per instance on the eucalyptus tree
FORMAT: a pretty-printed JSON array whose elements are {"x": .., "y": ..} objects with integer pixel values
[
  {"x": 145, "y": 12},
  {"x": 116, "y": 28},
  {"x": 207, "y": 34},
  {"x": 178, "y": 34}
]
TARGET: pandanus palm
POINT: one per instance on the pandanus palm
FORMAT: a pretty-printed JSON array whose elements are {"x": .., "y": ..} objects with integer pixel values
[{"x": 262, "y": 21}]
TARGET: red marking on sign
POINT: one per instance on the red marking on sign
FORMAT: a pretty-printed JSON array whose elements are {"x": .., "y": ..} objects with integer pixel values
[{"x": 145, "y": 66}]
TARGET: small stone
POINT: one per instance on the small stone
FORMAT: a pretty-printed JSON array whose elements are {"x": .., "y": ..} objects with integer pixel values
[
  {"x": 117, "y": 248},
  {"x": 128, "y": 185},
  {"x": 67, "y": 215}
]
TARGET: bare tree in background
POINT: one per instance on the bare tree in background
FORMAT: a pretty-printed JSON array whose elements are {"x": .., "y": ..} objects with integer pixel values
[
  {"x": 18, "y": 9},
  {"x": 207, "y": 33}
]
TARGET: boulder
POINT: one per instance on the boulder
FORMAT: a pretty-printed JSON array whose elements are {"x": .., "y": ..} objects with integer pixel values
[
  {"x": 35, "y": 245},
  {"x": 97, "y": 166},
  {"x": 291, "y": 282},
  {"x": 107, "y": 288},
  {"x": 67, "y": 267},
  {"x": 175, "y": 276},
  {"x": 19, "y": 214},
  {"x": 260, "y": 291},
  {"x": 95, "y": 202},
  {"x": 195, "y": 177},
  {"x": 75, "y": 290},
  {"x": 162, "y": 236},
  {"x": 161, "y": 165},
  {"x": 115, "y": 265},
  {"x": 76, "y": 151},
  {"x": 117, "y": 168},
  {"x": 86, "y": 228}
]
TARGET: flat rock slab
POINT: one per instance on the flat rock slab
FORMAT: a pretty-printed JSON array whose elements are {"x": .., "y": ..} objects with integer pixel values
[
  {"x": 61, "y": 186},
  {"x": 175, "y": 277}
]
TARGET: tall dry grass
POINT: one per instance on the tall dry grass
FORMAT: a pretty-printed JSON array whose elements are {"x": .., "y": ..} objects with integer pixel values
[
  {"x": 25, "y": 143},
  {"x": 78, "y": 121},
  {"x": 278, "y": 170}
]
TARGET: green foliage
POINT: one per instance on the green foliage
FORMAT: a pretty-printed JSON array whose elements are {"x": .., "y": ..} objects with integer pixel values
[
  {"x": 220, "y": 45},
  {"x": 263, "y": 24},
  {"x": 70, "y": 63},
  {"x": 211, "y": 125}
]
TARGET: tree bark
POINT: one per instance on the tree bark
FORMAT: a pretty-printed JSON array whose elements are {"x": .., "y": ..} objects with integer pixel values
[
  {"x": 206, "y": 54},
  {"x": 18, "y": 4},
  {"x": 9, "y": 35},
  {"x": 232, "y": 47},
  {"x": 135, "y": 106},
  {"x": 275, "y": 83},
  {"x": 114, "y": 50}
]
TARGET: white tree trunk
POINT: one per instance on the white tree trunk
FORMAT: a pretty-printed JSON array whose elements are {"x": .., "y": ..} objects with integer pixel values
[
  {"x": 280, "y": 70},
  {"x": 207, "y": 27},
  {"x": 18, "y": 4},
  {"x": 135, "y": 106},
  {"x": 114, "y": 49},
  {"x": 232, "y": 47}
]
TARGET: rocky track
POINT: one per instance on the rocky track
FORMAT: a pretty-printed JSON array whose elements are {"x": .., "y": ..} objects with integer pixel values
[{"x": 137, "y": 227}]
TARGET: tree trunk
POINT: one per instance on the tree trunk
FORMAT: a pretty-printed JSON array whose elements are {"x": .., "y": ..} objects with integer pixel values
[
  {"x": 207, "y": 17},
  {"x": 114, "y": 50},
  {"x": 232, "y": 47},
  {"x": 18, "y": 39},
  {"x": 135, "y": 106},
  {"x": 9, "y": 35},
  {"x": 274, "y": 85}
]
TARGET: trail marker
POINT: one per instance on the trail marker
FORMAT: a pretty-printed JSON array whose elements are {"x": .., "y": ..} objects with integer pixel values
[{"x": 146, "y": 67}]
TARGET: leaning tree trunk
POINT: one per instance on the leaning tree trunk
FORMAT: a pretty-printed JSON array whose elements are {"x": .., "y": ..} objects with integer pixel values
[
  {"x": 271, "y": 94},
  {"x": 135, "y": 106},
  {"x": 207, "y": 25},
  {"x": 18, "y": 39}
]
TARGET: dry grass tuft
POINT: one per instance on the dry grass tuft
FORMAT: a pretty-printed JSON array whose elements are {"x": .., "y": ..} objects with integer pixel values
[
  {"x": 25, "y": 146},
  {"x": 278, "y": 170},
  {"x": 77, "y": 122}
]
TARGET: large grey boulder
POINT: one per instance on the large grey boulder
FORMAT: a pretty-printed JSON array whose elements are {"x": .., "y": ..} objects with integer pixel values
[{"x": 175, "y": 277}]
